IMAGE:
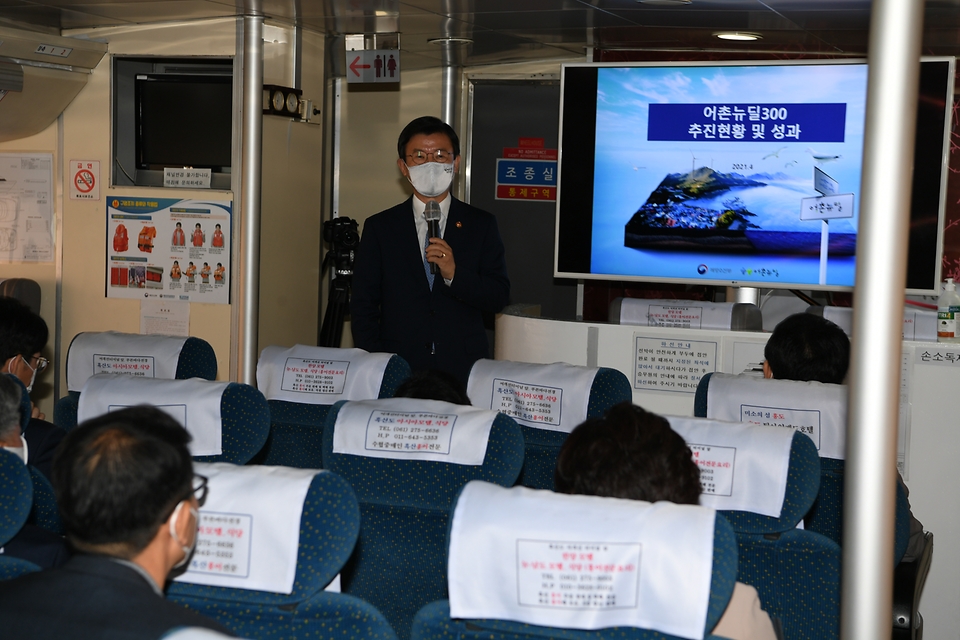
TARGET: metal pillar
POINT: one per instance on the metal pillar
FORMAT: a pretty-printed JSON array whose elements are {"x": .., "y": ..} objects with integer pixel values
[
  {"x": 248, "y": 298},
  {"x": 869, "y": 507}
]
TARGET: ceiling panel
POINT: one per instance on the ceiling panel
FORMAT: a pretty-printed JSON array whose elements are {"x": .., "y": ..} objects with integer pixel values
[{"x": 515, "y": 30}]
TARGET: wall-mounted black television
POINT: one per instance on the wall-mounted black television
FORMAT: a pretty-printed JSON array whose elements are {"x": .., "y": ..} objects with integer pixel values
[
  {"x": 734, "y": 173},
  {"x": 184, "y": 121}
]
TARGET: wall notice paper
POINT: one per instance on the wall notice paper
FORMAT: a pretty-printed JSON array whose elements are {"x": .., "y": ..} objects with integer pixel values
[
  {"x": 413, "y": 429},
  {"x": 247, "y": 539},
  {"x": 545, "y": 396},
  {"x": 580, "y": 562},
  {"x": 194, "y": 403},
  {"x": 165, "y": 317},
  {"x": 169, "y": 249},
  {"x": 672, "y": 365},
  {"x": 26, "y": 207},
  {"x": 742, "y": 467}
]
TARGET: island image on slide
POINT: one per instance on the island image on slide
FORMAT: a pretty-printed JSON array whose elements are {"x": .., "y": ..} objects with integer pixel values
[{"x": 731, "y": 213}]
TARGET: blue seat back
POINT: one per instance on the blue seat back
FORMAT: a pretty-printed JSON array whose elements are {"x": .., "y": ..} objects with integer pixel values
[
  {"x": 433, "y": 621},
  {"x": 795, "y": 572},
  {"x": 197, "y": 360},
  {"x": 542, "y": 446},
  {"x": 44, "y": 511},
  {"x": 16, "y": 498},
  {"x": 329, "y": 527},
  {"x": 399, "y": 564},
  {"x": 825, "y": 516},
  {"x": 296, "y": 429},
  {"x": 244, "y": 417}
]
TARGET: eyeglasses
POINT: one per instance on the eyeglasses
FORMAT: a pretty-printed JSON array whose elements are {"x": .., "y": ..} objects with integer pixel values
[
  {"x": 42, "y": 363},
  {"x": 440, "y": 155},
  {"x": 199, "y": 488}
]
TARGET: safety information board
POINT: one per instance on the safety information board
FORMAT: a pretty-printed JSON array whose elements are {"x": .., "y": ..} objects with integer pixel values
[{"x": 168, "y": 248}]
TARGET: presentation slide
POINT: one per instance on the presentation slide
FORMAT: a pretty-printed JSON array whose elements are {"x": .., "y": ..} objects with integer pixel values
[{"x": 748, "y": 173}]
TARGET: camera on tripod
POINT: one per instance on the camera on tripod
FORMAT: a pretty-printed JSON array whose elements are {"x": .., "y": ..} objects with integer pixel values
[{"x": 344, "y": 236}]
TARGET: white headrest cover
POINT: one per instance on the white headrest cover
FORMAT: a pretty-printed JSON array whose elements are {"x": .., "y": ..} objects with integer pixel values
[
  {"x": 682, "y": 314},
  {"x": 194, "y": 403},
  {"x": 743, "y": 467},
  {"x": 128, "y": 353},
  {"x": 813, "y": 408},
  {"x": 247, "y": 538},
  {"x": 413, "y": 429},
  {"x": 546, "y": 396},
  {"x": 320, "y": 375},
  {"x": 580, "y": 562},
  {"x": 918, "y": 324}
]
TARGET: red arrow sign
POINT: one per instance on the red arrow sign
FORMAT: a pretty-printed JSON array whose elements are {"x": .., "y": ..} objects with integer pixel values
[{"x": 354, "y": 66}]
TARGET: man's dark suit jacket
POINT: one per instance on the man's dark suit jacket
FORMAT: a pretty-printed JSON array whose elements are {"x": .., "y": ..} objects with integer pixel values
[
  {"x": 43, "y": 438},
  {"x": 392, "y": 308},
  {"x": 90, "y": 597}
]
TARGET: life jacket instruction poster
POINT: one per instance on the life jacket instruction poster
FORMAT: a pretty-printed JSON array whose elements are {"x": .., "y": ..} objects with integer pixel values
[
  {"x": 169, "y": 248},
  {"x": 26, "y": 207}
]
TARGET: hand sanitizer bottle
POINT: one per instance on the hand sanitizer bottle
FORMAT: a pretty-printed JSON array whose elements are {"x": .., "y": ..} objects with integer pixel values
[{"x": 948, "y": 313}]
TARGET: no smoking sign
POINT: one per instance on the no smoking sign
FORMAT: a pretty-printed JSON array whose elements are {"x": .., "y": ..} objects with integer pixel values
[{"x": 84, "y": 179}]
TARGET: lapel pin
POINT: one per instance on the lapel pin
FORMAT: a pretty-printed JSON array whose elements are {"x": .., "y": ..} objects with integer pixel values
[{"x": 459, "y": 224}]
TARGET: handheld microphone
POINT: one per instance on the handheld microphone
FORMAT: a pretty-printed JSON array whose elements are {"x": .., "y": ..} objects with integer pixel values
[{"x": 432, "y": 214}]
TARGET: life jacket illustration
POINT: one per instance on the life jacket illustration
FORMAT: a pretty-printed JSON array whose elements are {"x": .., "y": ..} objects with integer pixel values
[
  {"x": 145, "y": 239},
  {"x": 120, "y": 240},
  {"x": 198, "y": 238},
  {"x": 217, "y": 239}
]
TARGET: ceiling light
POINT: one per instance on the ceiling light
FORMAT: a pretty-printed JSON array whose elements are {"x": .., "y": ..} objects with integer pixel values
[
  {"x": 450, "y": 40},
  {"x": 665, "y": 2},
  {"x": 741, "y": 36}
]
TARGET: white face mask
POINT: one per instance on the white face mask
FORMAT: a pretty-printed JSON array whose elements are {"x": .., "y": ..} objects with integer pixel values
[
  {"x": 21, "y": 452},
  {"x": 431, "y": 178},
  {"x": 33, "y": 376},
  {"x": 187, "y": 549}
]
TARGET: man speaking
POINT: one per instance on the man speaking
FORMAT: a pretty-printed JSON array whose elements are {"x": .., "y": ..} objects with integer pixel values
[{"x": 428, "y": 269}]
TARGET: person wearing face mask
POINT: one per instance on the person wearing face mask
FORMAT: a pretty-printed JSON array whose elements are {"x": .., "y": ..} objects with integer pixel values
[
  {"x": 32, "y": 543},
  {"x": 23, "y": 335},
  {"x": 398, "y": 305},
  {"x": 128, "y": 499}
]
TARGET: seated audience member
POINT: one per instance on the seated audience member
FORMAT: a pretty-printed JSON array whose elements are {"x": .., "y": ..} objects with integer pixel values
[
  {"x": 32, "y": 543},
  {"x": 811, "y": 348},
  {"x": 633, "y": 454},
  {"x": 23, "y": 334},
  {"x": 128, "y": 498},
  {"x": 433, "y": 384},
  {"x": 808, "y": 348}
]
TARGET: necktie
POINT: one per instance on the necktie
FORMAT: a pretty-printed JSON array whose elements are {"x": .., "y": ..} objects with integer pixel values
[{"x": 426, "y": 265}]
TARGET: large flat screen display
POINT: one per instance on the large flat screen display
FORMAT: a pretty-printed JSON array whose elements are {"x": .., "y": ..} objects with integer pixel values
[{"x": 732, "y": 173}]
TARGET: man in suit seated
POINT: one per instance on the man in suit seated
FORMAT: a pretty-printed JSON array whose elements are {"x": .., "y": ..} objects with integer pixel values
[
  {"x": 32, "y": 543},
  {"x": 128, "y": 498},
  {"x": 635, "y": 455},
  {"x": 808, "y": 348},
  {"x": 23, "y": 335},
  {"x": 811, "y": 348}
]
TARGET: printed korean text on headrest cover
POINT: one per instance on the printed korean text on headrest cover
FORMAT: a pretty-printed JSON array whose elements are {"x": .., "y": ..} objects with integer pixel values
[
  {"x": 580, "y": 562},
  {"x": 413, "y": 429}
]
